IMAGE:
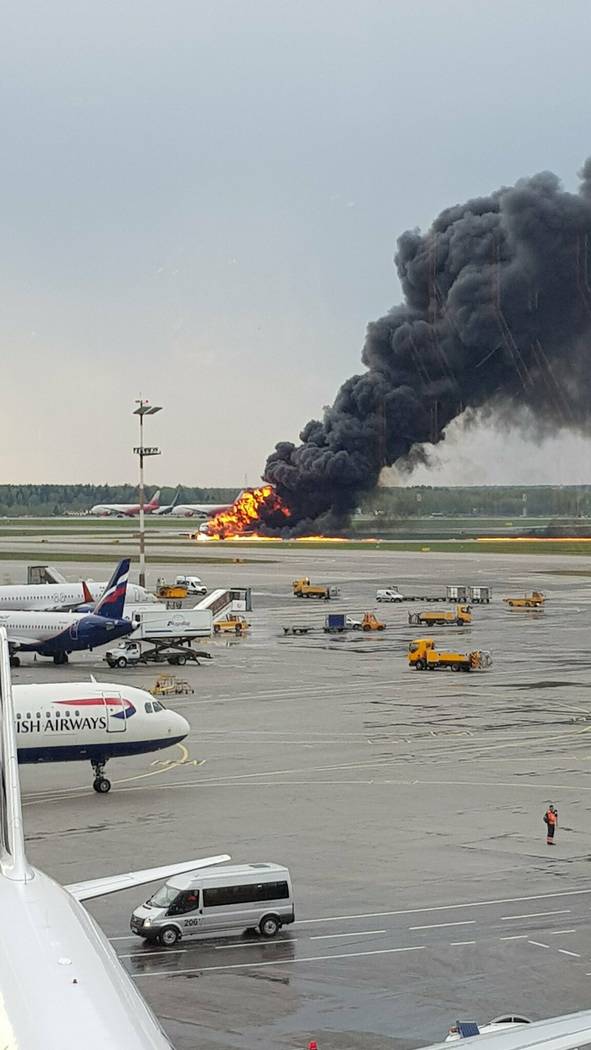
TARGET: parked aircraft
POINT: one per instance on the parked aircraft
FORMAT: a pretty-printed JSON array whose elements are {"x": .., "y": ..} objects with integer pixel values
[
  {"x": 93, "y": 722},
  {"x": 168, "y": 508},
  {"x": 63, "y": 597},
  {"x": 201, "y": 510},
  {"x": 58, "y": 634},
  {"x": 63, "y": 986},
  {"x": 126, "y": 510}
]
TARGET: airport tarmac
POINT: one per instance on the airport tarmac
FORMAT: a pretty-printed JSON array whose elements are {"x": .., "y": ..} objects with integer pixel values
[{"x": 408, "y": 807}]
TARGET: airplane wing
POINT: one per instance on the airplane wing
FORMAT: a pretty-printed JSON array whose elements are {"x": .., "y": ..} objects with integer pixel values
[
  {"x": 568, "y": 1032},
  {"x": 84, "y": 891}
]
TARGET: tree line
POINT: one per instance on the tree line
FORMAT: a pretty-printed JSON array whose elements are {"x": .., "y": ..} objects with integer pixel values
[
  {"x": 46, "y": 500},
  {"x": 481, "y": 501}
]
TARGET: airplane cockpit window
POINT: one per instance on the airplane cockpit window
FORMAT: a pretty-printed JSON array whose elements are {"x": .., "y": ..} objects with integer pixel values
[
  {"x": 148, "y": 708},
  {"x": 158, "y": 706}
]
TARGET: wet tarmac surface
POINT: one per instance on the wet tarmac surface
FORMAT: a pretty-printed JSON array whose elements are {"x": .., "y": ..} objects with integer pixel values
[{"x": 408, "y": 807}]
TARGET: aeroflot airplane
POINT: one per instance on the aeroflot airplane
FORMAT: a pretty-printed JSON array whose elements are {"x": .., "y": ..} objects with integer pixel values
[
  {"x": 126, "y": 510},
  {"x": 92, "y": 721},
  {"x": 63, "y": 986},
  {"x": 61, "y": 597},
  {"x": 200, "y": 510},
  {"x": 58, "y": 634}
]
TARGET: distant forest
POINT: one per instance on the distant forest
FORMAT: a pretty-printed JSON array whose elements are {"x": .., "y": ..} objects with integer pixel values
[
  {"x": 45, "y": 500},
  {"x": 392, "y": 503}
]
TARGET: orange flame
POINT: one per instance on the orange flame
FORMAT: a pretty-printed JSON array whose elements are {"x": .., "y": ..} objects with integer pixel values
[{"x": 246, "y": 512}]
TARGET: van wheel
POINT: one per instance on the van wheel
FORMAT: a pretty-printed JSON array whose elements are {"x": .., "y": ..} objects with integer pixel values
[
  {"x": 269, "y": 925},
  {"x": 121, "y": 662},
  {"x": 168, "y": 936}
]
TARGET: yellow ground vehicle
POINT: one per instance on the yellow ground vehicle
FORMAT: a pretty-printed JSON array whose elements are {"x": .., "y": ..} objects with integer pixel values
[
  {"x": 231, "y": 624},
  {"x": 535, "y": 600},
  {"x": 423, "y": 655},
  {"x": 370, "y": 622},
  {"x": 304, "y": 589},
  {"x": 170, "y": 590},
  {"x": 460, "y": 616}
]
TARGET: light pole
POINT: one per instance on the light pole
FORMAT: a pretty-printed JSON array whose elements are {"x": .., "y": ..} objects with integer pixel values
[{"x": 144, "y": 409}]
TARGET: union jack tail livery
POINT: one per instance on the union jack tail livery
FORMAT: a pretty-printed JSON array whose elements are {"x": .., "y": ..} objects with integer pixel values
[{"x": 113, "y": 600}]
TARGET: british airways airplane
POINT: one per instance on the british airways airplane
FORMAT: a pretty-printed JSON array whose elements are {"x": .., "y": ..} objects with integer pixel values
[
  {"x": 63, "y": 986},
  {"x": 93, "y": 722},
  {"x": 57, "y": 634}
]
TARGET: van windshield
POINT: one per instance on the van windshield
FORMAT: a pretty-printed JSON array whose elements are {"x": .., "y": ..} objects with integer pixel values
[{"x": 163, "y": 897}]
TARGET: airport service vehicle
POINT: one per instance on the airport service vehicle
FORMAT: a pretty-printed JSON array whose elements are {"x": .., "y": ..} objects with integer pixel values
[
  {"x": 163, "y": 650},
  {"x": 460, "y": 616},
  {"x": 126, "y": 510},
  {"x": 59, "y": 634},
  {"x": 91, "y": 722},
  {"x": 389, "y": 594},
  {"x": 423, "y": 655},
  {"x": 193, "y": 584},
  {"x": 162, "y": 636},
  {"x": 336, "y": 623},
  {"x": 237, "y": 897},
  {"x": 170, "y": 590},
  {"x": 231, "y": 624},
  {"x": 304, "y": 589},
  {"x": 459, "y": 594},
  {"x": 566, "y": 1032},
  {"x": 535, "y": 600},
  {"x": 63, "y": 986},
  {"x": 370, "y": 622},
  {"x": 466, "y": 1029}
]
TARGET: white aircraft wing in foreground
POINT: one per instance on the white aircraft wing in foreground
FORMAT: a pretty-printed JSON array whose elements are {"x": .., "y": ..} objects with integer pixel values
[
  {"x": 568, "y": 1032},
  {"x": 62, "y": 986}
]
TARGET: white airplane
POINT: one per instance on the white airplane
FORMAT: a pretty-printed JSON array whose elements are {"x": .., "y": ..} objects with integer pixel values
[
  {"x": 92, "y": 722},
  {"x": 201, "y": 510},
  {"x": 63, "y": 986},
  {"x": 61, "y": 597},
  {"x": 126, "y": 510}
]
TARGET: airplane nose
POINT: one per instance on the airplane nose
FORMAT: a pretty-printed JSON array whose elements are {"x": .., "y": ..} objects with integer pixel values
[{"x": 179, "y": 728}]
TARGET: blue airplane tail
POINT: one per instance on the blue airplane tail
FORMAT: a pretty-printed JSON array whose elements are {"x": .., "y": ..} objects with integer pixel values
[{"x": 113, "y": 599}]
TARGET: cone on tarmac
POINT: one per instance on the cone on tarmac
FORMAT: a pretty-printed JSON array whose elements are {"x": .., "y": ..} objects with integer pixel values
[{"x": 313, "y": 1045}]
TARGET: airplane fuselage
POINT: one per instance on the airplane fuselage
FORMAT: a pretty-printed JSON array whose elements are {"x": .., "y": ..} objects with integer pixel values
[
  {"x": 52, "y": 633},
  {"x": 45, "y": 597}
]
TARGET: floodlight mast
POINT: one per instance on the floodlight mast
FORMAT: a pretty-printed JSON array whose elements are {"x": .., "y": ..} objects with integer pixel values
[{"x": 144, "y": 409}]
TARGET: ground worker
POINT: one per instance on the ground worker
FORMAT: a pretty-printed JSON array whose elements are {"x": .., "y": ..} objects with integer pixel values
[{"x": 551, "y": 822}]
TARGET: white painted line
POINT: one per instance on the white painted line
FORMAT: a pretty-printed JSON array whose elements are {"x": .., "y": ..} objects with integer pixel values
[
  {"x": 563, "y": 951},
  {"x": 440, "y": 925},
  {"x": 539, "y": 944},
  {"x": 556, "y": 933},
  {"x": 457, "y": 944},
  {"x": 444, "y": 907},
  {"x": 535, "y": 915},
  {"x": 279, "y": 962},
  {"x": 144, "y": 955},
  {"x": 112, "y": 939},
  {"x": 515, "y": 937},
  {"x": 333, "y": 936},
  {"x": 256, "y": 944}
]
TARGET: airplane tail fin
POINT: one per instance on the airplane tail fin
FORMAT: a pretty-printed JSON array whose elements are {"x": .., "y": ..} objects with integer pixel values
[
  {"x": 86, "y": 593},
  {"x": 113, "y": 599},
  {"x": 13, "y": 860},
  {"x": 155, "y": 501}
]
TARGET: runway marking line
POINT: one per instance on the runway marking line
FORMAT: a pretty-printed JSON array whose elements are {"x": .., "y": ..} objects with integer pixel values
[
  {"x": 459, "y": 944},
  {"x": 280, "y": 962},
  {"x": 440, "y": 925},
  {"x": 556, "y": 933},
  {"x": 333, "y": 936},
  {"x": 563, "y": 951},
  {"x": 515, "y": 937},
  {"x": 535, "y": 914},
  {"x": 539, "y": 944},
  {"x": 256, "y": 944}
]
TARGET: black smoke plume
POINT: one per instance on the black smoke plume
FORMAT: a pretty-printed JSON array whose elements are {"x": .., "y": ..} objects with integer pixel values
[{"x": 496, "y": 314}]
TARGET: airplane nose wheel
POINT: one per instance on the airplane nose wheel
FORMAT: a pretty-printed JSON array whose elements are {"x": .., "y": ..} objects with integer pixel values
[{"x": 101, "y": 783}]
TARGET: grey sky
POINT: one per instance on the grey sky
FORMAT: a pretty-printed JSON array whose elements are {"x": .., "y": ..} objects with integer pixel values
[{"x": 201, "y": 202}]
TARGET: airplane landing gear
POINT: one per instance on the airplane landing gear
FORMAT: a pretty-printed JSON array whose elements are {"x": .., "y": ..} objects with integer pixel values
[
  {"x": 101, "y": 784},
  {"x": 60, "y": 658}
]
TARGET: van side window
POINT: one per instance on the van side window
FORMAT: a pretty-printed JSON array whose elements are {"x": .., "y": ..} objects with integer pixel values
[
  {"x": 218, "y": 896},
  {"x": 186, "y": 901}
]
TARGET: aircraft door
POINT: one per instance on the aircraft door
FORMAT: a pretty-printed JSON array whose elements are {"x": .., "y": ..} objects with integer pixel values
[{"x": 116, "y": 711}]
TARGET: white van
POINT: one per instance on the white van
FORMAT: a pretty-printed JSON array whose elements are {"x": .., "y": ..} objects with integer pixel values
[
  {"x": 193, "y": 584},
  {"x": 389, "y": 594},
  {"x": 236, "y": 897}
]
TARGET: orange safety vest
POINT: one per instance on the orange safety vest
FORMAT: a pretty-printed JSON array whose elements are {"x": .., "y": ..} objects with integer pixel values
[{"x": 550, "y": 817}]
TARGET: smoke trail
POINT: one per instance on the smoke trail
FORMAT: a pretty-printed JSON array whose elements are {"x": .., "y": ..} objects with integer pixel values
[{"x": 496, "y": 313}]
